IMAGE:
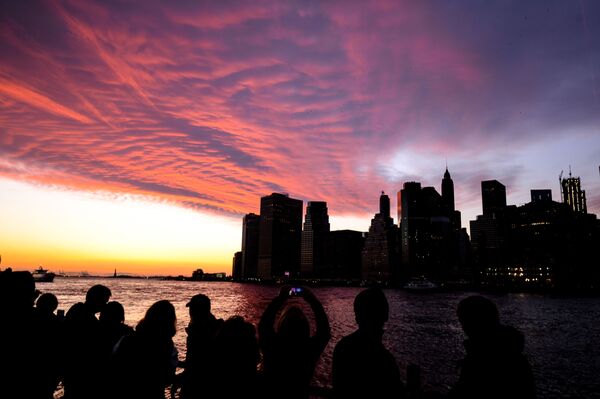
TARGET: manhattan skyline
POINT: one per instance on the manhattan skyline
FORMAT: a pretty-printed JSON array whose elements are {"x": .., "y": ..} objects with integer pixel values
[{"x": 137, "y": 136}]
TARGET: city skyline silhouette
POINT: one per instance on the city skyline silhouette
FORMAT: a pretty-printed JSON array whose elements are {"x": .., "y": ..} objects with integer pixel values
[{"x": 136, "y": 136}]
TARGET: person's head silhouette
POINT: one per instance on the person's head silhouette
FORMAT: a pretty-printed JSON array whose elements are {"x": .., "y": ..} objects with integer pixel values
[
  {"x": 159, "y": 321},
  {"x": 478, "y": 316},
  {"x": 97, "y": 296},
  {"x": 237, "y": 339},
  {"x": 17, "y": 290},
  {"x": 371, "y": 309},
  {"x": 113, "y": 313},
  {"x": 47, "y": 303},
  {"x": 199, "y": 306},
  {"x": 293, "y": 324}
]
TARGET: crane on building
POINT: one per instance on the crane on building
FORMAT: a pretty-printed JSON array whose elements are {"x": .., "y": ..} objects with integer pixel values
[{"x": 560, "y": 183}]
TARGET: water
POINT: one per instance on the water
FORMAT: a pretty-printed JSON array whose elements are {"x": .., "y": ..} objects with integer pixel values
[{"x": 562, "y": 334}]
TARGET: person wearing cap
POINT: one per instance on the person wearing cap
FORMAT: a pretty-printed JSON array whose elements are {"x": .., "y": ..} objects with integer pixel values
[{"x": 201, "y": 333}]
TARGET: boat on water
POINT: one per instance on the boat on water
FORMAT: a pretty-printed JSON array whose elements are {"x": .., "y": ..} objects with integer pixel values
[
  {"x": 41, "y": 275},
  {"x": 421, "y": 284}
]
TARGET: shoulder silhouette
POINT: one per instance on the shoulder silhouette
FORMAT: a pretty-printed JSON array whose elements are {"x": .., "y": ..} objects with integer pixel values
[
  {"x": 83, "y": 349},
  {"x": 144, "y": 362},
  {"x": 235, "y": 361},
  {"x": 290, "y": 353},
  {"x": 21, "y": 329},
  {"x": 494, "y": 365},
  {"x": 198, "y": 375},
  {"x": 362, "y": 366}
]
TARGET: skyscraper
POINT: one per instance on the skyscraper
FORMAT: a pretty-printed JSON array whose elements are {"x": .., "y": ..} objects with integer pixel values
[
  {"x": 314, "y": 235},
  {"x": 250, "y": 235},
  {"x": 543, "y": 195},
  {"x": 573, "y": 195},
  {"x": 491, "y": 236},
  {"x": 410, "y": 221},
  {"x": 493, "y": 196},
  {"x": 343, "y": 255},
  {"x": 279, "y": 236},
  {"x": 380, "y": 254},
  {"x": 448, "y": 192},
  {"x": 236, "y": 267},
  {"x": 448, "y": 202}
]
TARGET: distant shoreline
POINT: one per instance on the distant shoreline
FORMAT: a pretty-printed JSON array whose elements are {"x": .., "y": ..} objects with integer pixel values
[{"x": 448, "y": 287}]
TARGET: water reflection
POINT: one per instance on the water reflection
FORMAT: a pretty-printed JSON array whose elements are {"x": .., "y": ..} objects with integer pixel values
[{"x": 562, "y": 334}]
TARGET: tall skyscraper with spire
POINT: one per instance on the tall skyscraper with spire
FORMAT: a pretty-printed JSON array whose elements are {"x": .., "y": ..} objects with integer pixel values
[
  {"x": 448, "y": 202},
  {"x": 448, "y": 192},
  {"x": 431, "y": 230}
]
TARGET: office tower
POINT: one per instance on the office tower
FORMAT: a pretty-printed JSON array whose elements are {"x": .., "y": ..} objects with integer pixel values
[
  {"x": 410, "y": 221},
  {"x": 448, "y": 192},
  {"x": 573, "y": 195},
  {"x": 380, "y": 254},
  {"x": 488, "y": 231},
  {"x": 493, "y": 196},
  {"x": 384, "y": 205},
  {"x": 343, "y": 251},
  {"x": 314, "y": 235},
  {"x": 250, "y": 236},
  {"x": 428, "y": 242},
  {"x": 236, "y": 267},
  {"x": 541, "y": 195},
  {"x": 492, "y": 234},
  {"x": 279, "y": 236}
]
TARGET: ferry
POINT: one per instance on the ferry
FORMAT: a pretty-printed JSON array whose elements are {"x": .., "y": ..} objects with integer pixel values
[
  {"x": 41, "y": 275},
  {"x": 421, "y": 284}
]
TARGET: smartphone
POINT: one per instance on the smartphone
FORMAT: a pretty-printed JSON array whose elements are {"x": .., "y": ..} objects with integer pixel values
[{"x": 296, "y": 291}]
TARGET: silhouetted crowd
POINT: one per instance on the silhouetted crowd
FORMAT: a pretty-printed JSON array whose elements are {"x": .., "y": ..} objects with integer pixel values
[{"x": 101, "y": 357}]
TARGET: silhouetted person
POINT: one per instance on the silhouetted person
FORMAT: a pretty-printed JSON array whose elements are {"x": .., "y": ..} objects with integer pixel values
[
  {"x": 83, "y": 362},
  {"x": 27, "y": 361},
  {"x": 494, "y": 366},
  {"x": 112, "y": 325},
  {"x": 289, "y": 352},
  {"x": 201, "y": 333},
  {"x": 144, "y": 363},
  {"x": 112, "y": 329},
  {"x": 50, "y": 329},
  {"x": 46, "y": 304},
  {"x": 362, "y": 366},
  {"x": 234, "y": 366}
]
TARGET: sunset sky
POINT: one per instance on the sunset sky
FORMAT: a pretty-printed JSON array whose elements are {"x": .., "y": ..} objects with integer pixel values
[{"x": 135, "y": 135}]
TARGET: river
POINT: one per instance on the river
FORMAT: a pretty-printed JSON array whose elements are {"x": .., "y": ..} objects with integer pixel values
[{"x": 562, "y": 334}]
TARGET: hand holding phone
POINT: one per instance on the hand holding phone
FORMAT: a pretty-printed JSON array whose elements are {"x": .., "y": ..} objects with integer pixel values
[{"x": 296, "y": 291}]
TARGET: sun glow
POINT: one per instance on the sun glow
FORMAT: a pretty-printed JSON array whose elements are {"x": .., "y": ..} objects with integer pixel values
[{"x": 96, "y": 233}]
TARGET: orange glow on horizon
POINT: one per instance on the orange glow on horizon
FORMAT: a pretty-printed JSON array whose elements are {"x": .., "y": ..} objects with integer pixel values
[{"x": 74, "y": 232}]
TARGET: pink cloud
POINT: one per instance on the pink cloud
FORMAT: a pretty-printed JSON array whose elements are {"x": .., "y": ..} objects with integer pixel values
[{"x": 213, "y": 106}]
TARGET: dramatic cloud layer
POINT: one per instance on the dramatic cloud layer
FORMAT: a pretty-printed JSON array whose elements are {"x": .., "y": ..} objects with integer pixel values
[{"x": 212, "y": 104}]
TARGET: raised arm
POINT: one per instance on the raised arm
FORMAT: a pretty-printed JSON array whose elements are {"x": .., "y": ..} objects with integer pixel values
[
  {"x": 323, "y": 333},
  {"x": 266, "y": 328}
]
